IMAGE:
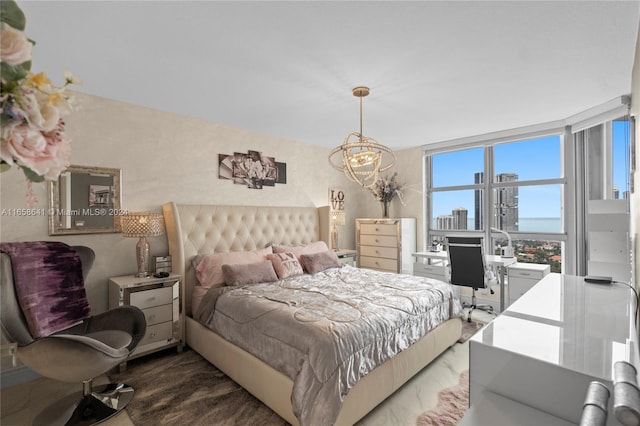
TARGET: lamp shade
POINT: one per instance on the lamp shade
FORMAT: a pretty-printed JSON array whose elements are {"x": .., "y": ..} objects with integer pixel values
[
  {"x": 142, "y": 224},
  {"x": 337, "y": 217}
]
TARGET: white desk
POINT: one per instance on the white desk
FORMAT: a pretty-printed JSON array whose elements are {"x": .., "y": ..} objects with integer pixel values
[
  {"x": 545, "y": 349},
  {"x": 499, "y": 262}
]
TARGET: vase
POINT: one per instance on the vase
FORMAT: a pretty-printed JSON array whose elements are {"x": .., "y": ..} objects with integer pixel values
[{"x": 384, "y": 205}]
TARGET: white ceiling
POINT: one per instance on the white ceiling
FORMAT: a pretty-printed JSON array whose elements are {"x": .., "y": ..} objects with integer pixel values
[{"x": 437, "y": 70}]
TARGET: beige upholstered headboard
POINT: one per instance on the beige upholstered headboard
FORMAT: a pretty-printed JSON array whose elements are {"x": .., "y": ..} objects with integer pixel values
[{"x": 194, "y": 229}]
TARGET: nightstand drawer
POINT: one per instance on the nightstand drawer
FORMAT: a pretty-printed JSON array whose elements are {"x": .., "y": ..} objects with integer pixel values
[
  {"x": 379, "y": 263},
  {"x": 378, "y": 240},
  {"x": 157, "y": 333},
  {"x": 374, "y": 251},
  {"x": 158, "y": 314},
  {"x": 149, "y": 298},
  {"x": 378, "y": 229}
]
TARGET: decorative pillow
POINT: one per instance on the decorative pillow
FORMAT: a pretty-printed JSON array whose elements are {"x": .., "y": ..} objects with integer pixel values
[
  {"x": 314, "y": 247},
  {"x": 209, "y": 271},
  {"x": 48, "y": 285},
  {"x": 285, "y": 264},
  {"x": 318, "y": 262},
  {"x": 249, "y": 273}
]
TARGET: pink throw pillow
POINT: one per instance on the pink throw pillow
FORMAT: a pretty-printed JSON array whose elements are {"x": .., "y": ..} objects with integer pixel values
[
  {"x": 311, "y": 248},
  {"x": 318, "y": 262},
  {"x": 285, "y": 264},
  {"x": 209, "y": 271}
]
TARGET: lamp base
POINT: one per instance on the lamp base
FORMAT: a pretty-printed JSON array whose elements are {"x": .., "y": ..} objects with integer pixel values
[
  {"x": 334, "y": 238},
  {"x": 142, "y": 257}
]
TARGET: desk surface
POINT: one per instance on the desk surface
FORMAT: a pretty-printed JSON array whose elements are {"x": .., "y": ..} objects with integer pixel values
[
  {"x": 566, "y": 322},
  {"x": 489, "y": 258}
]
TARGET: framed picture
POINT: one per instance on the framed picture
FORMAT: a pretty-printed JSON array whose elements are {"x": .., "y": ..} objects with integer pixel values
[{"x": 252, "y": 169}]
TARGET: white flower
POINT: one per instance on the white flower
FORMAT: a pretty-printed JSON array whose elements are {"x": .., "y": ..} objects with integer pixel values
[{"x": 15, "y": 47}]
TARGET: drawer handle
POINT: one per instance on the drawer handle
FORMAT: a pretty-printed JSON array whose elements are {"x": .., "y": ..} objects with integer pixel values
[
  {"x": 152, "y": 334},
  {"x": 377, "y": 240},
  {"x": 152, "y": 317},
  {"x": 526, "y": 274}
]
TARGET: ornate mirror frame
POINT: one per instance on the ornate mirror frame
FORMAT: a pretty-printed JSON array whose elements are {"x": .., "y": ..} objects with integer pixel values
[{"x": 85, "y": 200}]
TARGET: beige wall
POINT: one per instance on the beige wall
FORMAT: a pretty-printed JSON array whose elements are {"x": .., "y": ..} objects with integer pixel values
[{"x": 167, "y": 157}]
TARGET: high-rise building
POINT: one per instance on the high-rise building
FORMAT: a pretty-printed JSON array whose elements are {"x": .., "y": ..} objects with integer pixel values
[
  {"x": 616, "y": 192},
  {"x": 459, "y": 215},
  {"x": 478, "y": 205},
  {"x": 444, "y": 222},
  {"x": 506, "y": 204}
]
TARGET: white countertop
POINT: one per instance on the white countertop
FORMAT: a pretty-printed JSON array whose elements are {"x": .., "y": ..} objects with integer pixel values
[{"x": 551, "y": 324}]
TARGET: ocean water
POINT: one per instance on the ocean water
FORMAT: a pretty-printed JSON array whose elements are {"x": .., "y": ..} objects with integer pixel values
[{"x": 531, "y": 224}]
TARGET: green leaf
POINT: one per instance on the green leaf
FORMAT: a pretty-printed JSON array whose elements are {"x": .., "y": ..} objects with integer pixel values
[
  {"x": 11, "y": 14},
  {"x": 4, "y": 167},
  {"x": 31, "y": 175},
  {"x": 14, "y": 72}
]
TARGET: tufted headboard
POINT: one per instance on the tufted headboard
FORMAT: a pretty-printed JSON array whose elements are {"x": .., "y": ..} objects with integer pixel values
[{"x": 194, "y": 229}]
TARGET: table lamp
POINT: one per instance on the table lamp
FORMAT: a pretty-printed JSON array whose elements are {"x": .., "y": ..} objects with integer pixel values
[
  {"x": 337, "y": 217},
  {"x": 506, "y": 251},
  {"x": 142, "y": 225}
]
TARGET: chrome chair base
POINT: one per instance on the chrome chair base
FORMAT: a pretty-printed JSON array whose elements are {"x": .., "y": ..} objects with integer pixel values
[{"x": 84, "y": 410}]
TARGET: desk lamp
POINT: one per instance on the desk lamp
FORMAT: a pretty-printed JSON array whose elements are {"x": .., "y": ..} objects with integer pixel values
[
  {"x": 506, "y": 251},
  {"x": 337, "y": 217},
  {"x": 142, "y": 225}
]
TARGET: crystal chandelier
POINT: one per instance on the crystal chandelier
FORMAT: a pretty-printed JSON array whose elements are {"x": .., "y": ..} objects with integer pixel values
[{"x": 363, "y": 158}]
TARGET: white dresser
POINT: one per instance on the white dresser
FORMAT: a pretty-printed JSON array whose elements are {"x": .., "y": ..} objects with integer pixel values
[
  {"x": 386, "y": 244},
  {"x": 523, "y": 276},
  {"x": 545, "y": 349}
]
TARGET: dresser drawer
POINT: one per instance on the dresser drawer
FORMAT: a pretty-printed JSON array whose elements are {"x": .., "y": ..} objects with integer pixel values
[
  {"x": 157, "y": 333},
  {"x": 378, "y": 229},
  {"x": 390, "y": 265},
  {"x": 379, "y": 240},
  {"x": 154, "y": 297},
  {"x": 375, "y": 251},
  {"x": 158, "y": 314}
]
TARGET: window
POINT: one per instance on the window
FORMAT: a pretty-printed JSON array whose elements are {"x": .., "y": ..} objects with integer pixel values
[
  {"x": 523, "y": 197},
  {"x": 620, "y": 157}
]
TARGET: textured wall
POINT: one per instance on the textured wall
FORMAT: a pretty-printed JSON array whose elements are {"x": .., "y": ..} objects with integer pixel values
[{"x": 167, "y": 157}]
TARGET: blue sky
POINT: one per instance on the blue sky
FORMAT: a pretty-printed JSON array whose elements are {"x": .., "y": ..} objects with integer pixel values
[{"x": 530, "y": 160}]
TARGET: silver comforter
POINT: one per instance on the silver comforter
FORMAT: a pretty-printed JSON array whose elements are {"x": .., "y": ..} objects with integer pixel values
[{"x": 326, "y": 331}]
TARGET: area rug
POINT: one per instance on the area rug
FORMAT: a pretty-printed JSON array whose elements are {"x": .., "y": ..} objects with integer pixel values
[
  {"x": 185, "y": 389},
  {"x": 452, "y": 404},
  {"x": 469, "y": 329}
]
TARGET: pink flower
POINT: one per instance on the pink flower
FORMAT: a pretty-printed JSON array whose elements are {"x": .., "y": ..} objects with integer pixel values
[
  {"x": 46, "y": 154},
  {"x": 15, "y": 48}
]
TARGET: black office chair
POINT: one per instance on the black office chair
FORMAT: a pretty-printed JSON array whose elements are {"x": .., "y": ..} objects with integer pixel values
[
  {"x": 75, "y": 354},
  {"x": 467, "y": 267}
]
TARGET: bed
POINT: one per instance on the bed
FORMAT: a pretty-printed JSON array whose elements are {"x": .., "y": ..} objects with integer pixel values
[{"x": 194, "y": 230}]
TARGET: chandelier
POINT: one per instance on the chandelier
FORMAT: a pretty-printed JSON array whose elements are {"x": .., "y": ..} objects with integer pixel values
[{"x": 363, "y": 158}]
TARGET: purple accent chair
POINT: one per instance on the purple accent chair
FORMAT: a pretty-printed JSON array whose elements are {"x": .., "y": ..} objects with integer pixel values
[{"x": 77, "y": 354}]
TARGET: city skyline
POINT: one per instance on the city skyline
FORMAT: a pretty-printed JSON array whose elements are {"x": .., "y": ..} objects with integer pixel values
[{"x": 526, "y": 160}]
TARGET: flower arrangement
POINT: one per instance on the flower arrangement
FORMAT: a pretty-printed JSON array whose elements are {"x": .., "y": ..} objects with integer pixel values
[
  {"x": 32, "y": 107},
  {"x": 386, "y": 188}
]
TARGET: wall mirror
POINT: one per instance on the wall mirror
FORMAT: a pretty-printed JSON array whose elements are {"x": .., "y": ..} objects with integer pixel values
[{"x": 85, "y": 200}]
